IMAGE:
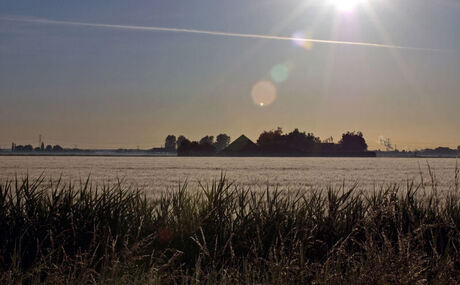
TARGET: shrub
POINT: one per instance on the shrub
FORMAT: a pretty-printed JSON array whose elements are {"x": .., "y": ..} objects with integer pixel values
[{"x": 51, "y": 232}]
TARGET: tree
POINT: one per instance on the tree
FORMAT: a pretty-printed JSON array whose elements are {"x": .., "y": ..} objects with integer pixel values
[
  {"x": 188, "y": 148},
  {"x": 49, "y": 148},
  {"x": 42, "y": 147},
  {"x": 25, "y": 148},
  {"x": 170, "y": 143},
  {"x": 301, "y": 141},
  {"x": 222, "y": 141},
  {"x": 294, "y": 143},
  {"x": 13, "y": 147},
  {"x": 353, "y": 142},
  {"x": 458, "y": 148},
  {"x": 184, "y": 147},
  {"x": 207, "y": 140},
  {"x": 57, "y": 148},
  {"x": 270, "y": 137},
  {"x": 179, "y": 141}
]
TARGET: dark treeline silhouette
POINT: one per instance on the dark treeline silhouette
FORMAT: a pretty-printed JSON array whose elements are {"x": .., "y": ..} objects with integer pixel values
[
  {"x": 272, "y": 143},
  {"x": 222, "y": 141},
  {"x": 170, "y": 143},
  {"x": 193, "y": 148},
  {"x": 298, "y": 143},
  {"x": 294, "y": 143},
  {"x": 427, "y": 152},
  {"x": 205, "y": 147},
  {"x": 436, "y": 152},
  {"x": 439, "y": 151},
  {"x": 352, "y": 142},
  {"x": 41, "y": 148}
]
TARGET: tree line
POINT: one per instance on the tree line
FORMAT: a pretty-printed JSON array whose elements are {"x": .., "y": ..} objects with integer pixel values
[
  {"x": 205, "y": 146},
  {"x": 30, "y": 148},
  {"x": 297, "y": 143},
  {"x": 273, "y": 143}
]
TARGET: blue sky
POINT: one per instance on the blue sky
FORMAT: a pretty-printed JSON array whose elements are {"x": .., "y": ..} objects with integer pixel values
[{"x": 108, "y": 87}]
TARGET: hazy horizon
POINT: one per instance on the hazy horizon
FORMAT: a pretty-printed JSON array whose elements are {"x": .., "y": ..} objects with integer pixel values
[{"x": 113, "y": 74}]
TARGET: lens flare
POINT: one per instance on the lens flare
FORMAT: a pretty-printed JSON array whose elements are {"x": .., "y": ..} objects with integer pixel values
[
  {"x": 299, "y": 39},
  {"x": 279, "y": 73},
  {"x": 263, "y": 93}
]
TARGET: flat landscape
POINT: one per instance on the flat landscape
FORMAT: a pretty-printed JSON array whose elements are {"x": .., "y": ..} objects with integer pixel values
[
  {"x": 154, "y": 175},
  {"x": 230, "y": 142},
  {"x": 272, "y": 221}
]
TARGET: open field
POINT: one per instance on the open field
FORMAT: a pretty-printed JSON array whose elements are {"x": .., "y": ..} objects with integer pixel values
[
  {"x": 230, "y": 142},
  {"x": 158, "y": 174},
  {"x": 227, "y": 233}
]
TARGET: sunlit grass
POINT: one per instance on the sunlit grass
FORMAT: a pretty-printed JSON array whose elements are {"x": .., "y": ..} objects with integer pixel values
[{"x": 225, "y": 233}]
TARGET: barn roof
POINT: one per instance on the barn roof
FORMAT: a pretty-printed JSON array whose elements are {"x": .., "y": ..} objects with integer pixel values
[{"x": 241, "y": 145}]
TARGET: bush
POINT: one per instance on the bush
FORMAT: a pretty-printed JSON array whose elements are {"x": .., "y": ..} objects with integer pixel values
[{"x": 225, "y": 233}]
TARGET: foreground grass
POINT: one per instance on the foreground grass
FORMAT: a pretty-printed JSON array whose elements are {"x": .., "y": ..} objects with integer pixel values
[{"x": 223, "y": 233}]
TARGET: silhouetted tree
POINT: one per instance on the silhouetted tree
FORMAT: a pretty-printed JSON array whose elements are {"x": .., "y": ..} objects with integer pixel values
[
  {"x": 439, "y": 151},
  {"x": 274, "y": 142},
  {"x": 353, "y": 142},
  {"x": 294, "y": 143},
  {"x": 206, "y": 149},
  {"x": 295, "y": 139},
  {"x": 170, "y": 143},
  {"x": 188, "y": 148},
  {"x": 13, "y": 147},
  {"x": 301, "y": 141},
  {"x": 180, "y": 139},
  {"x": 458, "y": 148},
  {"x": 222, "y": 141},
  {"x": 184, "y": 147},
  {"x": 207, "y": 140},
  {"x": 57, "y": 148},
  {"x": 270, "y": 137},
  {"x": 42, "y": 147},
  {"x": 24, "y": 148},
  {"x": 48, "y": 148}
]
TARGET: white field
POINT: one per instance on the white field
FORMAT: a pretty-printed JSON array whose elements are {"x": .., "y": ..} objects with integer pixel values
[{"x": 157, "y": 174}]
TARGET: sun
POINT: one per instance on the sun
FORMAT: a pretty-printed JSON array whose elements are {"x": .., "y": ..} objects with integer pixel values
[
  {"x": 263, "y": 93},
  {"x": 345, "y": 5}
]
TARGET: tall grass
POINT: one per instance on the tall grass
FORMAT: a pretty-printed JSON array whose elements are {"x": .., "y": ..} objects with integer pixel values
[{"x": 52, "y": 232}]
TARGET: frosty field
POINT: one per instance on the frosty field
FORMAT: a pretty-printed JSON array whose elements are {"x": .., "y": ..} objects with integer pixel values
[{"x": 156, "y": 174}]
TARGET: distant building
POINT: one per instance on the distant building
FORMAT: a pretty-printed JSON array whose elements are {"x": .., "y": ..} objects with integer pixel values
[{"x": 240, "y": 147}]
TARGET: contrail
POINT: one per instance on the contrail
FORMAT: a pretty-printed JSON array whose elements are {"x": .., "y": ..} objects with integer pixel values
[{"x": 217, "y": 33}]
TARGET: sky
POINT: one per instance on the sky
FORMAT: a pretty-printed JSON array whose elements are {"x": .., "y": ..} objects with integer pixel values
[{"x": 118, "y": 74}]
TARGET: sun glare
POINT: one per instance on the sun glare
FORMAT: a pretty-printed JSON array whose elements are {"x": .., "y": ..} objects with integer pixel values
[{"x": 345, "y": 5}]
